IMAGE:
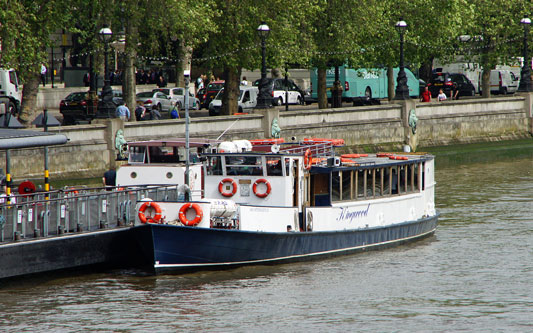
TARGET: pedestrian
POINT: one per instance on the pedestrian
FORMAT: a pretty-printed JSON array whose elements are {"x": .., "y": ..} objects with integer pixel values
[
  {"x": 110, "y": 179},
  {"x": 43, "y": 74},
  {"x": 152, "y": 114},
  {"x": 244, "y": 82},
  {"x": 140, "y": 111},
  {"x": 426, "y": 95},
  {"x": 161, "y": 82},
  {"x": 442, "y": 96},
  {"x": 123, "y": 112},
  {"x": 455, "y": 91},
  {"x": 175, "y": 114},
  {"x": 87, "y": 79}
]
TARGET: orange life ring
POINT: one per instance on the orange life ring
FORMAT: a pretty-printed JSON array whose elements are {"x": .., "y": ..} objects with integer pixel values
[
  {"x": 383, "y": 154},
  {"x": 308, "y": 158},
  {"x": 264, "y": 181},
  {"x": 197, "y": 210},
  {"x": 156, "y": 218},
  {"x": 221, "y": 187},
  {"x": 403, "y": 158}
]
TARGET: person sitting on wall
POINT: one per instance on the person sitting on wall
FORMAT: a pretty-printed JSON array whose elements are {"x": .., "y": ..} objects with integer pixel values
[{"x": 442, "y": 96}]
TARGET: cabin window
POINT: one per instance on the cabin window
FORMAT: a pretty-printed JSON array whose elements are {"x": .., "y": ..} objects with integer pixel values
[
  {"x": 244, "y": 165},
  {"x": 345, "y": 185},
  {"x": 213, "y": 166},
  {"x": 335, "y": 186},
  {"x": 274, "y": 166},
  {"x": 137, "y": 154}
]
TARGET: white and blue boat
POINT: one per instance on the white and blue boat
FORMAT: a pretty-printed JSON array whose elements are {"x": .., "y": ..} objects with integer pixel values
[{"x": 267, "y": 201}]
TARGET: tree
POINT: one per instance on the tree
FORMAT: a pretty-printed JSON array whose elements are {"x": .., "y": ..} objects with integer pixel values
[{"x": 25, "y": 41}]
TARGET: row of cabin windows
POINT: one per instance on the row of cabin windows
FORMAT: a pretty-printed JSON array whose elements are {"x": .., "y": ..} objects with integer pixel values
[
  {"x": 242, "y": 165},
  {"x": 376, "y": 182}
]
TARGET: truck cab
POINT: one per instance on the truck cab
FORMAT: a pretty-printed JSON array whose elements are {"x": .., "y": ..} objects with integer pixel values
[{"x": 9, "y": 88}]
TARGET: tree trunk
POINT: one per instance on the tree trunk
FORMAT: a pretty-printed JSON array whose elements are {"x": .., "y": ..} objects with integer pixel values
[
  {"x": 181, "y": 64},
  {"x": 28, "y": 111},
  {"x": 485, "y": 82},
  {"x": 426, "y": 70},
  {"x": 231, "y": 91},
  {"x": 390, "y": 82},
  {"x": 129, "y": 88},
  {"x": 321, "y": 89}
]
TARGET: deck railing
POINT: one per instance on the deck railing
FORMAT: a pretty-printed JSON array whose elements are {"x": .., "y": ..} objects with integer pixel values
[{"x": 73, "y": 210}]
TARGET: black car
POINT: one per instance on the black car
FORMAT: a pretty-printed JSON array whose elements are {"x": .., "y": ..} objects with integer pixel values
[
  {"x": 211, "y": 91},
  {"x": 446, "y": 81},
  {"x": 77, "y": 107}
]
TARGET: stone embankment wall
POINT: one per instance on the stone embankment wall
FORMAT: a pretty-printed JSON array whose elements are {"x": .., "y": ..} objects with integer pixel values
[{"x": 90, "y": 150}]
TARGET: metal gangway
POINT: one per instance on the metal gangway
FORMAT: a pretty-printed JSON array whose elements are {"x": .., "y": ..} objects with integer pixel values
[{"x": 74, "y": 210}]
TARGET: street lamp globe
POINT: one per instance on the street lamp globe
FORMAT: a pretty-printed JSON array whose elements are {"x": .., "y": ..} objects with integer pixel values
[
  {"x": 525, "y": 20},
  {"x": 105, "y": 34},
  {"x": 263, "y": 31},
  {"x": 401, "y": 26}
]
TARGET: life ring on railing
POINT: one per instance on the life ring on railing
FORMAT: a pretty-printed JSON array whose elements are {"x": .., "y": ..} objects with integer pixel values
[
  {"x": 267, "y": 192},
  {"x": 399, "y": 158},
  {"x": 221, "y": 187},
  {"x": 197, "y": 210},
  {"x": 158, "y": 213},
  {"x": 308, "y": 158}
]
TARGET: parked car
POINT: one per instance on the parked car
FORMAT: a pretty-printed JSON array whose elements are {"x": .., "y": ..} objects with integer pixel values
[
  {"x": 247, "y": 100},
  {"x": 211, "y": 91},
  {"x": 279, "y": 88},
  {"x": 76, "y": 108},
  {"x": 177, "y": 95},
  {"x": 155, "y": 100},
  {"x": 445, "y": 81}
]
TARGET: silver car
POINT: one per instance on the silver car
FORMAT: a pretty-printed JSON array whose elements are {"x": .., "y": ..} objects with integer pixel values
[
  {"x": 178, "y": 96},
  {"x": 155, "y": 100}
]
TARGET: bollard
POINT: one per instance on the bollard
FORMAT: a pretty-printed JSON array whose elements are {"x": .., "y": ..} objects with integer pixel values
[
  {"x": 36, "y": 233},
  {"x": 79, "y": 227},
  {"x": 60, "y": 230}
]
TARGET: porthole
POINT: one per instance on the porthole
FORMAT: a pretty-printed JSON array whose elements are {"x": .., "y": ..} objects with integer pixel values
[
  {"x": 169, "y": 175},
  {"x": 133, "y": 174}
]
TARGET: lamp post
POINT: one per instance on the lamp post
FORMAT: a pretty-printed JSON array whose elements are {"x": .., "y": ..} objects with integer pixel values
[
  {"x": 402, "y": 91},
  {"x": 265, "y": 99},
  {"x": 105, "y": 105},
  {"x": 525, "y": 74}
]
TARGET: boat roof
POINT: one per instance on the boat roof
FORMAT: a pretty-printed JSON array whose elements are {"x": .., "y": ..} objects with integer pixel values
[
  {"x": 17, "y": 138},
  {"x": 174, "y": 142}
]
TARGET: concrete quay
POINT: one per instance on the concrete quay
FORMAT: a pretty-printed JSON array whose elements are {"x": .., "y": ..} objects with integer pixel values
[{"x": 90, "y": 150}]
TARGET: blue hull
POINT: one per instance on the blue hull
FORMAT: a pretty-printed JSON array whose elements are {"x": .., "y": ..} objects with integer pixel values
[{"x": 175, "y": 248}]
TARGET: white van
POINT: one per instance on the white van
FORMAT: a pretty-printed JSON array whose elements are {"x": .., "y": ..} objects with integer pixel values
[
  {"x": 247, "y": 100},
  {"x": 503, "y": 81}
]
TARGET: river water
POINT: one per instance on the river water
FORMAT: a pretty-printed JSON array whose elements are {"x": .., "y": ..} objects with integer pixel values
[{"x": 475, "y": 275}]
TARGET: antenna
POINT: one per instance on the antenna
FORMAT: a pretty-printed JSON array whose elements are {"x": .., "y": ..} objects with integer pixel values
[{"x": 227, "y": 129}]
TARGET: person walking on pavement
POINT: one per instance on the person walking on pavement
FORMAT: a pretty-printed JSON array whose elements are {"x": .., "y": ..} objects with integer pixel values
[
  {"x": 123, "y": 112},
  {"x": 43, "y": 74}
]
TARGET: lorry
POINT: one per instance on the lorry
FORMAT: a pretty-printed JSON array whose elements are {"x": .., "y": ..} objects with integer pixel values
[
  {"x": 362, "y": 83},
  {"x": 10, "y": 90}
]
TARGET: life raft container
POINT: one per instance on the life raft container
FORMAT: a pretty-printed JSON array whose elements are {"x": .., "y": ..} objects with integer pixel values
[
  {"x": 312, "y": 141},
  {"x": 149, "y": 219},
  {"x": 354, "y": 155},
  {"x": 233, "y": 185},
  {"x": 183, "y": 214},
  {"x": 268, "y": 188},
  {"x": 261, "y": 142},
  {"x": 401, "y": 158},
  {"x": 308, "y": 159}
]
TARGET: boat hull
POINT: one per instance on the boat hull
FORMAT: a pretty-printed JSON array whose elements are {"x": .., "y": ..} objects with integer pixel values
[{"x": 169, "y": 248}]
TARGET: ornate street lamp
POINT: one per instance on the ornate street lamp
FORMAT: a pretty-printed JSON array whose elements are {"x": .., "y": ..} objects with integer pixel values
[
  {"x": 105, "y": 105},
  {"x": 265, "y": 99},
  {"x": 525, "y": 74},
  {"x": 402, "y": 91}
]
